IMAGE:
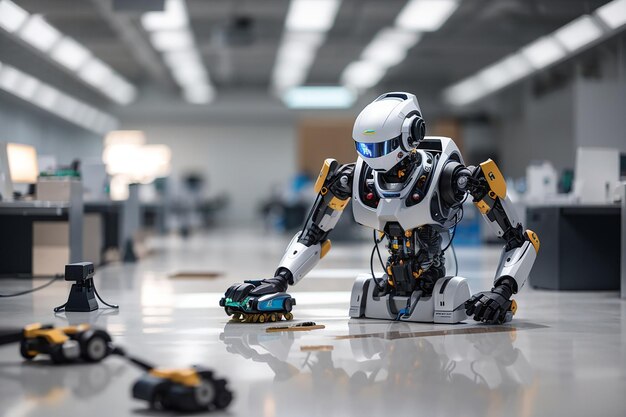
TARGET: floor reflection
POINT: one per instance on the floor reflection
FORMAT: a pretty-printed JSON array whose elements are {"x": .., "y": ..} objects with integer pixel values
[{"x": 480, "y": 374}]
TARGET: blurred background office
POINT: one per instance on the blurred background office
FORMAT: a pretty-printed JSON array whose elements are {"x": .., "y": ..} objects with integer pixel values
[
  {"x": 174, "y": 143},
  {"x": 228, "y": 106}
]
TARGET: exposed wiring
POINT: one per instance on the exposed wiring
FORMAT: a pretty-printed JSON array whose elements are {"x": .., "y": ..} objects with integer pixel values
[
  {"x": 104, "y": 302},
  {"x": 375, "y": 249},
  {"x": 33, "y": 289}
]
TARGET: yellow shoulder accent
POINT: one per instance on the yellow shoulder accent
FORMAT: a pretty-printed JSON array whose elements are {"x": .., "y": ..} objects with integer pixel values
[
  {"x": 188, "y": 377},
  {"x": 494, "y": 177},
  {"x": 326, "y": 245},
  {"x": 534, "y": 239},
  {"x": 319, "y": 183}
]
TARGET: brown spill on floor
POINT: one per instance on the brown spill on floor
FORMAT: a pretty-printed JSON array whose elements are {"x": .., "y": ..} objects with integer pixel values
[
  {"x": 196, "y": 275},
  {"x": 393, "y": 335}
]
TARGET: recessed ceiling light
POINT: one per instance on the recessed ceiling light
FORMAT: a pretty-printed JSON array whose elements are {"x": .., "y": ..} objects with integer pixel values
[
  {"x": 173, "y": 17},
  {"x": 12, "y": 16},
  {"x": 328, "y": 97},
  {"x": 311, "y": 15},
  {"x": 578, "y": 33},
  {"x": 425, "y": 15},
  {"x": 171, "y": 40},
  {"x": 613, "y": 14},
  {"x": 464, "y": 92},
  {"x": 38, "y": 33},
  {"x": 70, "y": 53},
  {"x": 543, "y": 52},
  {"x": 362, "y": 74}
]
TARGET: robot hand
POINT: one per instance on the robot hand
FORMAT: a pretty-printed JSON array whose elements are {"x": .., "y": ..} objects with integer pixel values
[
  {"x": 492, "y": 306},
  {"x": 259, "y": 301}
]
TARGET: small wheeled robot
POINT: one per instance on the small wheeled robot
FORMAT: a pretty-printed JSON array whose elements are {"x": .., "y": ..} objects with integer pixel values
[
  {"x": 259, "y": 308},
  {"x": 409, "y": 189},
  {"x": 62, "y": 344},
  {"x": 187, "y": 390}
]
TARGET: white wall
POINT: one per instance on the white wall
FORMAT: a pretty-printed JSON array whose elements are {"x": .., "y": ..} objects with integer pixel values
[
  {"x": 50, "y": 135},
  {"x": 241, "y": 159}
]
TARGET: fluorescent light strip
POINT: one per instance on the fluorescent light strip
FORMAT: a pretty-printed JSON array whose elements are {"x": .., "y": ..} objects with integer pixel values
[
  {"x": 44, "y": 96},
  {"x": 311, "y": 15},
  {"x": 171, "y": 36},
  {"x": 391, "y": 45},
  {"x": 330, "y": 97},
  {"x": 425, "y": 15},
  {"x": 12, "y": 16},
  {"x": 545, "y": 51},
  {"x": 579, "y": 33},
  {"x": 613, "y": 14},
  {"x": 65, "y": 51},
  {"x": 305, "y": 30}
]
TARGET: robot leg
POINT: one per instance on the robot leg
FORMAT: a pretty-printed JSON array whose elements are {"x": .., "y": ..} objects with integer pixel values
[{"x": 444, "y": 305}]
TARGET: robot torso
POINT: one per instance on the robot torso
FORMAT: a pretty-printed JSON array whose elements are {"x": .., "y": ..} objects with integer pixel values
[{"x": 412, "y": 197}]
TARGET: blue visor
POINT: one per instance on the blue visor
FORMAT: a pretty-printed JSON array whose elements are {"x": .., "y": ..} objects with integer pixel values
[{"x": 377, "y": 149}]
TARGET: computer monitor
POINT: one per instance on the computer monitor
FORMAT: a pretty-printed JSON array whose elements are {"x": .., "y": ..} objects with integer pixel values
[
  {"x": 597, "y": 174},
  {"x": 23, "y": 163}
]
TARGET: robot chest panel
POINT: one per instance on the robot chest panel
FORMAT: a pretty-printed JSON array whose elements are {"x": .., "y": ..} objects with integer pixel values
[{"x": 375, "y": 203}]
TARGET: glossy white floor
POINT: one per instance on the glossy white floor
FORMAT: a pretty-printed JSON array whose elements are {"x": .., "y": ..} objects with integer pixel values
[{"x": 564, "y": 353}]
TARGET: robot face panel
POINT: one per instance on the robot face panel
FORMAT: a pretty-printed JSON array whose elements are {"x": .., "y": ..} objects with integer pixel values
[
  {"x": 378, "y": 130},
  {"x": 377, "y": 149}
]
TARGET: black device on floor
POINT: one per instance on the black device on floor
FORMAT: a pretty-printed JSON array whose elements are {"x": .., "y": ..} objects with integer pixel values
[{"x": 83, "y": 293}]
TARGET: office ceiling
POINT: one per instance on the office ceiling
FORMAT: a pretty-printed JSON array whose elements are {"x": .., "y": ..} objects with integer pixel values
[{"x": 238, "y": 39}]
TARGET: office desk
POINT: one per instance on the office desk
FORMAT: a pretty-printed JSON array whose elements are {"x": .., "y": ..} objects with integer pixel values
[
  {"x": 580, "y": 246},
  {"x": 16, "y": 232}
]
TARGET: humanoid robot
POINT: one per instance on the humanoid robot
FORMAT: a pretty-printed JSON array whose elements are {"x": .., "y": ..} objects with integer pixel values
[{"x": 409, "y": 188}]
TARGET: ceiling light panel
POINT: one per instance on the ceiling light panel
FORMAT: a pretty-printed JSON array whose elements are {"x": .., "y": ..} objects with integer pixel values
[
  {"x": 172, "y": 40},
  {"x": 171, "y": 35},
  {"x": 579, "y": 33},
  {"x": 613, "y": 14},
  {"x": 12, "y": 16},
  {"x": 362, "y": 74},
  {"x": 38, "y": 33},
  {"x": 330, "y": 97},
  {"x": 425, "y": 15},
  {"x": 311, "y": 15},
  {"x": 46, "y": 97},
  {"x": 70, "y": 53},
  {"x": 173, "y": 17},
  {"x": 543, "y": 52},
  {"x": 305, "y": 30},
  {"x": 65, "y": 51}
]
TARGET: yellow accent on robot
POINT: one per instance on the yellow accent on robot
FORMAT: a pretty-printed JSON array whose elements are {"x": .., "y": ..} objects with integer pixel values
[
  {"x": 494, "y": 177},
  {"x": 319, "y": 183},
  {"x": 326, "y": 245},
  {"x": 534, "y": 239},
  {"x": 337, "y": 204}
]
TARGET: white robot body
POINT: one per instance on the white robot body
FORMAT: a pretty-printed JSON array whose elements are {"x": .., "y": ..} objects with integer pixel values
[
  {"x": 392, "y": 206},
  {"x": 410, "y": 188}
]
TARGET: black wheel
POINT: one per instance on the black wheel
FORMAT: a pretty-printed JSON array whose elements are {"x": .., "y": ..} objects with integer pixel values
[
  {"x": 288, "y": 305},
  {"x": 56, "y": 354},
  {"x": 94, "y": 345},
  {"x": 25, "y": 350},
  {"x": 157, "y": 400},
  {"x": 223, "y": 396}
]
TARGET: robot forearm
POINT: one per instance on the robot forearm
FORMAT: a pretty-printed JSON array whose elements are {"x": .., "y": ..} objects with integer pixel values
[
  {"x": 488, "y": 189},
  {"x": 333, "y": 188}
]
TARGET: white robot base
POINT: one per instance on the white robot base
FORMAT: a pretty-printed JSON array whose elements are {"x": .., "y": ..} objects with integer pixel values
[{"x": 444, "y": 305}]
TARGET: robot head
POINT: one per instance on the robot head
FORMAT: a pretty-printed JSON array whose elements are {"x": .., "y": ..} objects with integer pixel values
[{"x": 388, "y": 129}]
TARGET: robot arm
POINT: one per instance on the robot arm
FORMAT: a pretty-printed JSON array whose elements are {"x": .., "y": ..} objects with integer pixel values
[
  {"x": 333, "y": 188},
  {"x": 487, "y": 187}
]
